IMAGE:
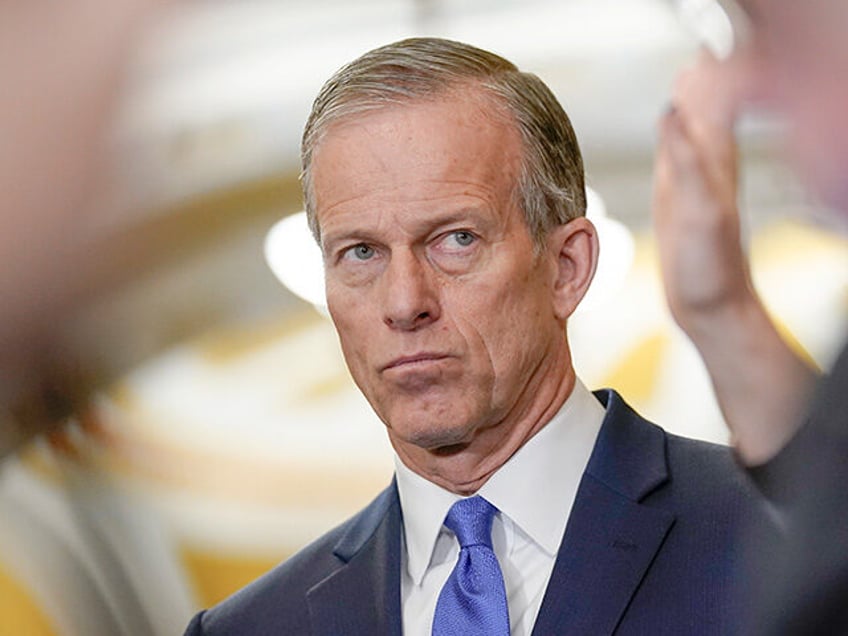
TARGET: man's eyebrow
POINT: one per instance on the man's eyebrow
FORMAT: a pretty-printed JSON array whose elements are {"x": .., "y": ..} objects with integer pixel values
[
  {"x": 423, "y": 226},
  {"x": 465, "y": 213},
  {"x": 329, "y": 240}
]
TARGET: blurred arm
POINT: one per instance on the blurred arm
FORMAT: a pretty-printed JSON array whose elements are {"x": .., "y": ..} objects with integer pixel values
[
  {"x": 62, "y": 65},
  {"x": 761, "y": 385}
]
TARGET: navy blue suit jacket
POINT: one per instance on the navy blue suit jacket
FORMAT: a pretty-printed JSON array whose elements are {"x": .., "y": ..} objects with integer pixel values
[{"x": 653, "y": 546}]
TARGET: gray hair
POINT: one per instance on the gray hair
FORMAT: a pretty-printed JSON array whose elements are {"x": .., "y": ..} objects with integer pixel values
[{"x": 550, "y": 187}]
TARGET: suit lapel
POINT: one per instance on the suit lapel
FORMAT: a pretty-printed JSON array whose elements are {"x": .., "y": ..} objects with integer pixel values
[
  {"x": 611, "y": 539},
  {"x": 362, "y": 597}
]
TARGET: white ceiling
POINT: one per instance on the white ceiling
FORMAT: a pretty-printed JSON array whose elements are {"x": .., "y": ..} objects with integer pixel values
[{"x": 221, "y": 90}]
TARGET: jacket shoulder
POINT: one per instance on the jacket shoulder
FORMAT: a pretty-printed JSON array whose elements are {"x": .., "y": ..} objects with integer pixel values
[
  {"x": 709, "y": 472},
  {"x": 276, "y": 602},
  {"x": 649, "y": 464}
]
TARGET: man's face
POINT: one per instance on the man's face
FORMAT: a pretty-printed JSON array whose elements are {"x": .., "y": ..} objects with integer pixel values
[
  {"x": 799, "y": 52},
  {"x": 444, "y": 311}
]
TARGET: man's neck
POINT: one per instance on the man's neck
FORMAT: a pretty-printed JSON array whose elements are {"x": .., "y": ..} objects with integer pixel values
[{"x": 464, "y": 469}]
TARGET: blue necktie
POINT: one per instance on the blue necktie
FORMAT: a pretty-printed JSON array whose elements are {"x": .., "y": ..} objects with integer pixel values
[{"x": 473, "y": 600}]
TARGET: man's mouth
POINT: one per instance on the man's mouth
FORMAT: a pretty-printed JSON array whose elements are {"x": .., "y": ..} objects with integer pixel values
[{"x": 416, "y": 359}]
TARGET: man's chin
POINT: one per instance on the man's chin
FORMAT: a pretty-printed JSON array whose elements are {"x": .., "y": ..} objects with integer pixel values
[{"x": 435, "y": 439}]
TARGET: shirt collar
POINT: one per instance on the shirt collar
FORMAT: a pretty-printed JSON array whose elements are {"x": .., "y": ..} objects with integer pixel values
[{"x": 557, "y": 456}]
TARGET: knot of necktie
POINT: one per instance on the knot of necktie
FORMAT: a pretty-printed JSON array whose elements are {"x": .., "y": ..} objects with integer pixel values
[{"x": 471, "y": 521}]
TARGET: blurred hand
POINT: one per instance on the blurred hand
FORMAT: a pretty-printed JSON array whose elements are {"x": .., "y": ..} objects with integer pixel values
[
  {"x": 761, "y": 386},
  {"x": 696, "y": 218}
]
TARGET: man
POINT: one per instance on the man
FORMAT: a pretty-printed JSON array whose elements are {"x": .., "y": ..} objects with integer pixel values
[
  {"x": 445, "y": 188},
  {"x": 795, "y": 61}
]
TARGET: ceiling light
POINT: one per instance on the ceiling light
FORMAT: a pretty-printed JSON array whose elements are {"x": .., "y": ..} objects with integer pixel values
[
  {"x": 615, "y": 258},
  {"x": 295, "y": 258}
]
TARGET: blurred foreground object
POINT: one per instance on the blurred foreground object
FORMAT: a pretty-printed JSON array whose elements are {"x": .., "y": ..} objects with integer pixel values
[
  {"x": 76, "y": 558},
  {"x": 790, "y": 431},
  {"x": 62, "y": 66},
  {"x": 80, "y": 556}
]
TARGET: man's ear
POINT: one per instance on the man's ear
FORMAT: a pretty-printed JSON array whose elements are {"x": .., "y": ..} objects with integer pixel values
[{"x": 575, "y": 247}]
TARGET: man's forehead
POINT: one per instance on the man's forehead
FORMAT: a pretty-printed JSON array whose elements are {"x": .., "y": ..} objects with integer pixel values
[
  {"x": 426, "y": 119},
  {"x": 459, "y": 95},
  {"x": 408, "y": 154}
]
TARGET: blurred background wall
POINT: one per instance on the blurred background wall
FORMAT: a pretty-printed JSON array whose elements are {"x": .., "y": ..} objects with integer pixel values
[{"x": 236, "y": 435}]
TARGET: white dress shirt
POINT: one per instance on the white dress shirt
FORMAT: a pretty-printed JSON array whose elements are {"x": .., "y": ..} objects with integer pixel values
[{"x": 534, "y": 492}]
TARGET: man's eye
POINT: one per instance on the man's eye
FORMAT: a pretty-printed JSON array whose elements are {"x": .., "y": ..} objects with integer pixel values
[
  {"x": 463, "y": 238},
  {"x": 361, "y": 252}
]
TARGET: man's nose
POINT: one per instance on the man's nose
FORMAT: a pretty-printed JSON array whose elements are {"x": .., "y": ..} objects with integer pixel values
[{"x": 410, "y": 294}]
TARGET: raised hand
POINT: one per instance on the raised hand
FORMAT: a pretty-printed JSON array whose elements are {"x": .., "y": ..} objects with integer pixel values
[
  {"x": 695, "y": 190},
  {"x": 761, "y": 385}
]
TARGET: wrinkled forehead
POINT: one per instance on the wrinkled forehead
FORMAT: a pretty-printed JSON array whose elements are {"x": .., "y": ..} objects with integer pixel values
[
  {"x": 356, "y": 106},
  {"x": 468, "y": 107},
  {"x": 423, "y": 138}
]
